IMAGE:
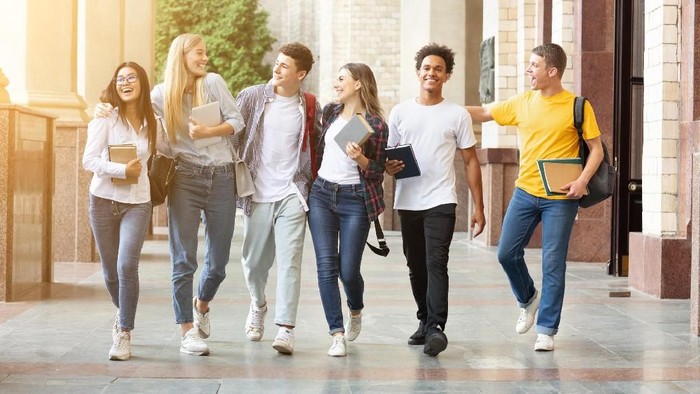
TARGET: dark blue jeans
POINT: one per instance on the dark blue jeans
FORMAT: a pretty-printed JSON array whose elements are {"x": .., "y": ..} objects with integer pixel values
[
  {"x": 524, "y": 212},
  {"x": 427, "y": 236},
  {"x": 339, "y": 226}
]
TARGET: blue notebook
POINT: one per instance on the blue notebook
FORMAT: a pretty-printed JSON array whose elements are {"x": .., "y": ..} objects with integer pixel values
[{"x": 406, "y": 155}]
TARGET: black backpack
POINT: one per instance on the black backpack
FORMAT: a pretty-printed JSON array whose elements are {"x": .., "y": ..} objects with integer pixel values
[{"x": 602, "y": 184}]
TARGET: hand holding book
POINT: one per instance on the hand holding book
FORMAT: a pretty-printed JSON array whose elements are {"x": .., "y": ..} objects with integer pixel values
[
  {"x": 409, "y": 165},
  {"x": 558, "y": 174},
  {"x": 125, "y": 154},
  {"x": 357, "y": 130}
]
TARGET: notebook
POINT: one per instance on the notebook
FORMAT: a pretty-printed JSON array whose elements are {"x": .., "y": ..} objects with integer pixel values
[
  {"x": 556, "y": 173},
  {"x": 123, "y": 154},
  {"x": 405, "y": 154},
  {"x": 208, "y": 115},
  {"x": 356, "y": 130}
]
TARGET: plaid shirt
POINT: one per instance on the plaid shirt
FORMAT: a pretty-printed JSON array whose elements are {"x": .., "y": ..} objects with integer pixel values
[
  {"x": 251, "y": 102},
  {"x": 373, "y": 176}
]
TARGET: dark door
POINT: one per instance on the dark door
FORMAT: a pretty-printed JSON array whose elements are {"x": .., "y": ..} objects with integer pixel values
[{"x": 628, "y": 133}]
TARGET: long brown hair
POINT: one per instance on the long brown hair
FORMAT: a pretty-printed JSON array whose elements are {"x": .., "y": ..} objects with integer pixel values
[
  {"x": 368, "y": 87},
  {"x": 144, "y": 109}
]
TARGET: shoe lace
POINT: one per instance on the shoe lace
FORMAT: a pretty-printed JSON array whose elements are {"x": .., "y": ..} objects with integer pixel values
[
  {"x": 191, "y": 336},
  {"x": 523, "y": 315},
  {"x": 285, "y": 336},
  {"x": 122, "y": 340},
  {"x": 354, "y": 323},
  {"x": 256, "y": 316}
]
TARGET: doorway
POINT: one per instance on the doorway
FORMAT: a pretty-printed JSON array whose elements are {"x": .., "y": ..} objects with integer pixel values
[{"x": 628, "y": 135}]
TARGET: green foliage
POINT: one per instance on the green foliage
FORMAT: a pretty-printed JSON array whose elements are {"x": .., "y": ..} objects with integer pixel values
[{"x": 235, "y": 32}]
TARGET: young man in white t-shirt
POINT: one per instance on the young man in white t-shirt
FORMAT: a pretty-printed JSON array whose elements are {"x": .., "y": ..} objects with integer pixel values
[
  {"x": 278, "y": 153},
  {"x": 436, "y": 129}
]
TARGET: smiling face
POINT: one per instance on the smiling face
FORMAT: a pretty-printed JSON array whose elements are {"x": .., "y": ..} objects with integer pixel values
[
  {"x": 128, "y": 85},
  {"x": 540, "y": 75},
  {"x": 196, "y": 60},
  {"x": 346, "y": 86},
  {"x": 432, "y": 74},
  {"x": 286, "y": 78}
]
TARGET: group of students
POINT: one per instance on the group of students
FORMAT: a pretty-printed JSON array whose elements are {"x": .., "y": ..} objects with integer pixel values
[{"x": 301, "y": 174}]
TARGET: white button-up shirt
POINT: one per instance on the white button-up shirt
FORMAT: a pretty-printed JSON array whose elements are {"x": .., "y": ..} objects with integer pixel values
[{"x": 103, "y": 132}]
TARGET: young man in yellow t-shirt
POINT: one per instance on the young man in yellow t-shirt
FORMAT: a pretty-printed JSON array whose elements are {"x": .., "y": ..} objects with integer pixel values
[{"x": 545, "y": 120}]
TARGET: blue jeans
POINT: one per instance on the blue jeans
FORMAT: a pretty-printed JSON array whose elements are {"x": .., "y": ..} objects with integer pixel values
[
  {"x": 206, "y": 192},
  {"x": 339, "y": 227},
  {"x": 427, "y": 236},
  {"x": 119, "y": 230},
  {"x": 524, "y": 213}
]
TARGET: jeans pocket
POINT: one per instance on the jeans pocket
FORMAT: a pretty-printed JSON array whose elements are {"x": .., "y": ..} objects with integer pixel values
[
  {"x": 97, "y": 202},
  {"x": 359, "y": 194},
  {"x": 185, "y": 172}
]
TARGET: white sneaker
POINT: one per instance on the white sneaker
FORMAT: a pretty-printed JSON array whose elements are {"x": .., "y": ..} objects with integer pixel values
[
  {"x": 201, "y": 320},
  {"x": 121, "y": 348},
  {"x": 115, "y": 327},
  {"x": 527, "y": 315},
  {"x": 284, "y": 341},
  {"x": 353, "y": 326},
  {"x": 338, "y": 347},
  {"x": 544, "y": 343},
  {"x": 255, "y": 323},
  {"x": 193, "y": 344}
]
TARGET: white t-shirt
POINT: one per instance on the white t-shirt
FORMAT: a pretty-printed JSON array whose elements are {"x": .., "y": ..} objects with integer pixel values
[
  {"x": 435, "y": 132},
  {"x": 279, "y": 154},
  {"x": 336, "y": 166}
]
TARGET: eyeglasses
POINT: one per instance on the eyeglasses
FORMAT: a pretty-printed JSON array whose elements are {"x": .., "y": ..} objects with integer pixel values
[{"x": 131, "y": 78}]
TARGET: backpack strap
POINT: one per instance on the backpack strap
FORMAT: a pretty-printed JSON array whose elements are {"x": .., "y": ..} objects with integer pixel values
[
  {"x": 383, "y": 249},
  {"x": 309, "y": 130},
  {"x": 579, "y": 103}
]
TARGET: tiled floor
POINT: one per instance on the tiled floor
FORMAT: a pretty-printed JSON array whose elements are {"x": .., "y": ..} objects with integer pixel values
[{"x": 57, "y": 341}]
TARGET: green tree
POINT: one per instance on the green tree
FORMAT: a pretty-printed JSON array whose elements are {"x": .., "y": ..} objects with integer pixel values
[{"x": 235, "y": 32}]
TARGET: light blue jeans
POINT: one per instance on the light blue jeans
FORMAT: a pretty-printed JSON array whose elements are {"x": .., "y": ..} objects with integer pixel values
[
  {"x": 524, "y": 212},
  {"x": 205, "y": 192},
  {"x": 275, "y": 231},
  {"x": 339, "y": 227},
  {"x": 119, "y": 230}
]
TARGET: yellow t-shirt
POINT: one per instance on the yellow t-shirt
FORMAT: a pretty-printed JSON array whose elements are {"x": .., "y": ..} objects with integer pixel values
[{"x": 546, "y": 131}]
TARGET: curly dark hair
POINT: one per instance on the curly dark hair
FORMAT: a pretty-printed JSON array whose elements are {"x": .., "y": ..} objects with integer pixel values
[
  {"x": 301, "y": 54},
  {"x": 442, "y": 51}
]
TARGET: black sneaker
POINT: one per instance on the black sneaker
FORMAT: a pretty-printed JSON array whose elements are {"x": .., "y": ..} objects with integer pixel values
[
  {"x": 418, "y": 337},
  {"x": 435, "y": 342}
]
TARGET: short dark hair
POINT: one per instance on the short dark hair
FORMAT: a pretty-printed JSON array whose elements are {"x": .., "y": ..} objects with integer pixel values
[
  {"x": 301, "y": 54},
  {"x": 442, "y": 51},
  {"x": 553, "y": 55}
]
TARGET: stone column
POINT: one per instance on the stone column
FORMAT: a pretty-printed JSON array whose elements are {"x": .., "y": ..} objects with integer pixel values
[
  {"x": 39, "y": 58},
  {"x": 660, "y": 256},
  {"x": 4, "y": 96}
]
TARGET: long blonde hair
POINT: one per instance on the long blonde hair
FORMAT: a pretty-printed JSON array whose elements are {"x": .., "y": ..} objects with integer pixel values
[
  {"x": 368, "y": 87},
  {"x": 175, "y": 81}
]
